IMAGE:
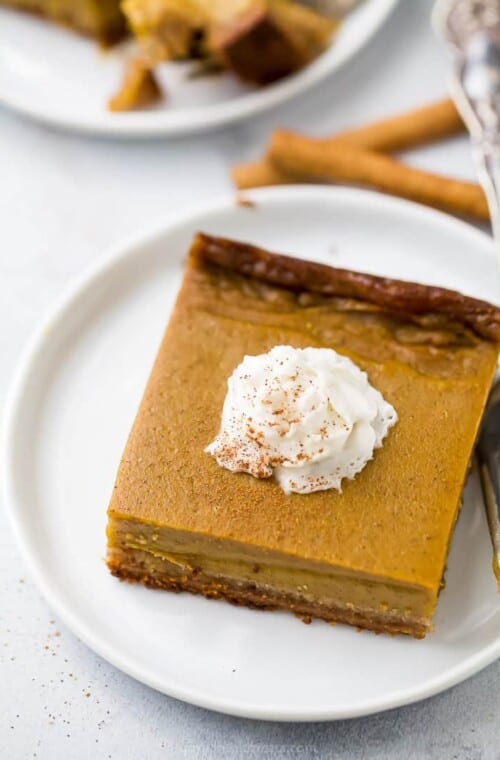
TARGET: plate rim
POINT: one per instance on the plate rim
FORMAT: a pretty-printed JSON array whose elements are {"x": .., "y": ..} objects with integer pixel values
[
  {"x": 136, "y": 126},
  {"x": 130, "y": 247}
]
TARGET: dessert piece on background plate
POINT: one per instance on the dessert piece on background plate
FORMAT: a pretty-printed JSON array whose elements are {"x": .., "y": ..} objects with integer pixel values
[
  {"x": 101, "y": 19},
  {"x": 258, "y": 40},
  {"x": 370, "y": 548}
]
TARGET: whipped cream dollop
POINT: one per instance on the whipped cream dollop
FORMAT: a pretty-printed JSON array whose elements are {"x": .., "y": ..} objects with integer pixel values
[{"x": 308, "y": 416}]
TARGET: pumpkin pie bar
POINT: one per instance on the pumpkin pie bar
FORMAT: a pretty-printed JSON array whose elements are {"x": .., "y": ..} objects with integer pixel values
[{"x": 372, "y": 555}]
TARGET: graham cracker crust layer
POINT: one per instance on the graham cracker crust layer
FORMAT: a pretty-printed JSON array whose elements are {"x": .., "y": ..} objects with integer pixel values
[{"x": 138, "y": 566}]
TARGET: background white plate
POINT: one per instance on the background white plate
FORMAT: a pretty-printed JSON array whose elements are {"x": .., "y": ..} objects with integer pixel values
[
  {"x": 57, "y": 77},
  {"x": 70, "y": 412}
]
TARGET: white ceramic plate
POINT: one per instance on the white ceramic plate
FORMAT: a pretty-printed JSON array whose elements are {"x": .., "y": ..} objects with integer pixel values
[
  {"x": 69, "y": 415},
  {"x": 56, "y": 77}
]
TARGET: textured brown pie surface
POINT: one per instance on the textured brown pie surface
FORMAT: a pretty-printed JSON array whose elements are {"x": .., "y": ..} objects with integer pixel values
[
  {"x": 97, "y": 18},
  {"x": 378, "y": 548}
]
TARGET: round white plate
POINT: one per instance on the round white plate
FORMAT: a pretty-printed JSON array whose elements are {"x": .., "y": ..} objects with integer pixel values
[
  {"x": 59, "y": 78},
  {"x": 71, "y": 408}
]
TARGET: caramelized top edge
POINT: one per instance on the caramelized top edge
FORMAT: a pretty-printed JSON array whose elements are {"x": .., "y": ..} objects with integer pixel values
[{"x": 397, "y": 296}]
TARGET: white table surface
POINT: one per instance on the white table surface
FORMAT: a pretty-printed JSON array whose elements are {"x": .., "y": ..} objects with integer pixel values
[{"x": 63, "y": 201}]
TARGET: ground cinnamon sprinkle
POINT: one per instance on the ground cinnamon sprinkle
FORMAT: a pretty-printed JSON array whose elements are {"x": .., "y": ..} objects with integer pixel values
[{"x": 244, "y": 202}]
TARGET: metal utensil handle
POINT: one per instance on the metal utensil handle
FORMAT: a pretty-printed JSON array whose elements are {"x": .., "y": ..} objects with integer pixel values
[
  {"x": 471, "y": 29},
  {"x": 484, "y": 125},
  {"x": 489, "y": 464},
  {"x": 487, "y": 158}
]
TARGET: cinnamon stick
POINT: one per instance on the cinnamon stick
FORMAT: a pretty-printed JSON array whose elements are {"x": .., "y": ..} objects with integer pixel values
[
  {"x": 407, "y": 130},
  {"x": 260, "y": 173},
  {"x": 304, "y": 158}
]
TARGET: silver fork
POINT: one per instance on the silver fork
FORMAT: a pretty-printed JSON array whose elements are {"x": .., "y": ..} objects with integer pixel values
[
  {"x": 488, "y": 455},
  {"x": 471, "y": 29}
]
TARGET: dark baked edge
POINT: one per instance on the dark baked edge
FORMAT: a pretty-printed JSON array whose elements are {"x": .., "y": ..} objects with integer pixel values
[
  {"x": 131, "y": 565},
  {"x": 110, "y": 35},
  {"x": 397, "y": 296}
]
